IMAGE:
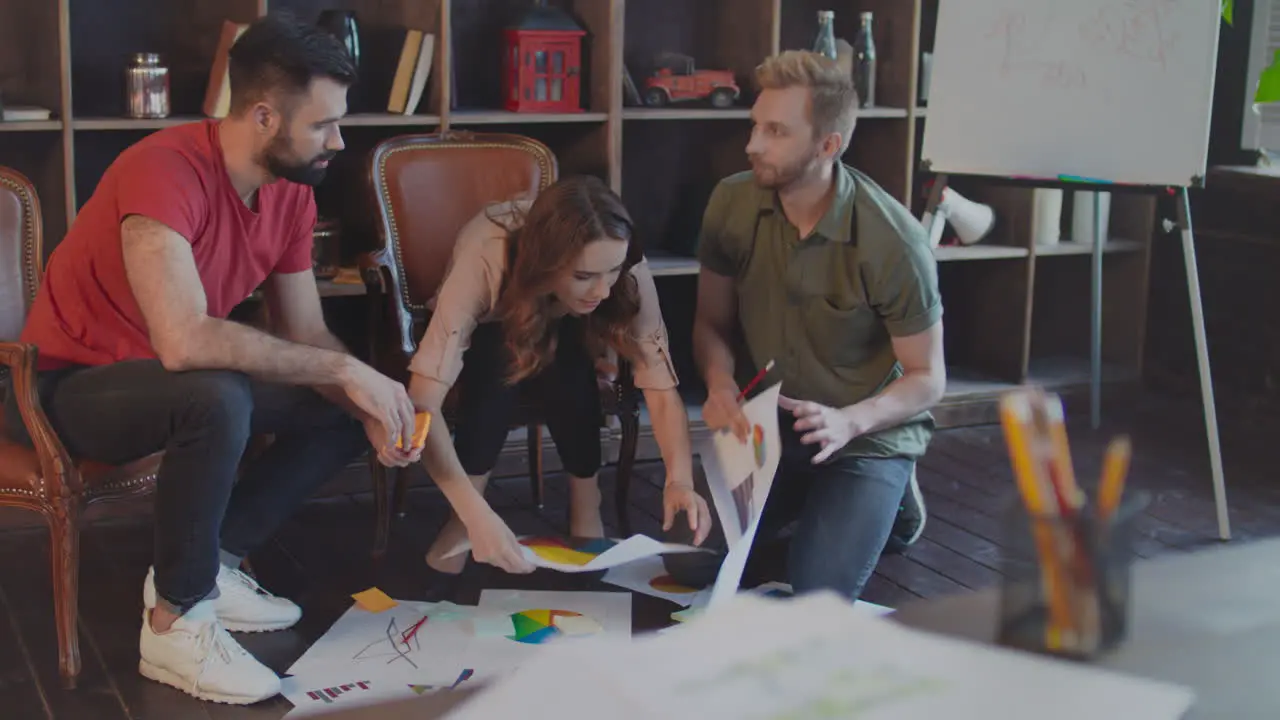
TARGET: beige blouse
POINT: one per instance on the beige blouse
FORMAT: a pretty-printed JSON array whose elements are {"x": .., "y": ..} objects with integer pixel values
[{"x": 469, "y": 295}]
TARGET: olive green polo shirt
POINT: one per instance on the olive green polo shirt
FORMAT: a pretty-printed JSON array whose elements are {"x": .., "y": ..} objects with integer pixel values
[{"x": 824, "y": 307}]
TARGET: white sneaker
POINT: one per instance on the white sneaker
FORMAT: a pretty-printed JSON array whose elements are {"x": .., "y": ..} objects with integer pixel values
[
  {"x": 242, "y": 605},
  {"x": 199, "y": 657}
]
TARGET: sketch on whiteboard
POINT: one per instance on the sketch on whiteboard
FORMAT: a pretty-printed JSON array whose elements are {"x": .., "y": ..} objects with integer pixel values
[
  {"x": 1138, "y": 30},
  {"x": 1032, "y": 48}
]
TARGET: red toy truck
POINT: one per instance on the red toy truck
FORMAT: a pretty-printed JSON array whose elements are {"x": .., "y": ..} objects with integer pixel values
[{"x": 676, "y": 80}]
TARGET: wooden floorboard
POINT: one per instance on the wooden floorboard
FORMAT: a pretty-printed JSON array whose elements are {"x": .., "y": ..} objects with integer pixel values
[{"x": 323, "y": 554}]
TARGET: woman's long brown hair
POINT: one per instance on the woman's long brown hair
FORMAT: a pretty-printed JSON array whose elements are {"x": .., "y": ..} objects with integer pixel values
[{"x": 562, "y": 220}]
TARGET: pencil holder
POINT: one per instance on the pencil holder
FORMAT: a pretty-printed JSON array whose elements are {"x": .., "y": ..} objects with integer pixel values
[{"x": 1066, "y": 584}]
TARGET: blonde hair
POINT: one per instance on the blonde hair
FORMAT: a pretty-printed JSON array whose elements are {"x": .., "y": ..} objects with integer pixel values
[{"x": 833, "y": 99}]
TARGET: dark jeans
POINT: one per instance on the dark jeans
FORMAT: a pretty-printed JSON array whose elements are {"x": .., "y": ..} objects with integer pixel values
[
  {"x": 203, "y": 421},
  {"x": 565, "y": 392},
  {"x": 843, "y": 509}
]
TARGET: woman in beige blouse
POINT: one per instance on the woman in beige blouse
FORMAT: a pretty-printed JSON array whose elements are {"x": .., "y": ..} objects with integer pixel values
[{"x": 536, "y": 296}]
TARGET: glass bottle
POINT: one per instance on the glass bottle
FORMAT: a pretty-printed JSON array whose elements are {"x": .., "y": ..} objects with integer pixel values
[
  {"x": 824, "y": 43},
  {"x": 864, "y": 63}
]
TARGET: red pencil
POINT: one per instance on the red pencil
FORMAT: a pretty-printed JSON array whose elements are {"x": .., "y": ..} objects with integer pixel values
[
  {"x": 755, "y": 380},
  {"x": 408, "y": 634}
]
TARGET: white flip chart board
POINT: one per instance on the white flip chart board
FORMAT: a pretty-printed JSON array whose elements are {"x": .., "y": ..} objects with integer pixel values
[{"x": 1113, "y": 90}]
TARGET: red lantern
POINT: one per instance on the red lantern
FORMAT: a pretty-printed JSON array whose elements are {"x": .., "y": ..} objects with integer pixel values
[{"x": 542, "y": 62}]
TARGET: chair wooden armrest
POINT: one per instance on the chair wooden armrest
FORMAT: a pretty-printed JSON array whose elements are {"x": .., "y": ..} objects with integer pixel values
[{"x": 55, "y": 464}]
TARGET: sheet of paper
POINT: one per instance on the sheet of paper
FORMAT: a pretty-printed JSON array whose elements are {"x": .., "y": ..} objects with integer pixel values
[
  {"x": 540, "y": 619},
  {"x": 649, "y": 576},
  {"x": 413, "y": 642},
  {"x": 576, "y": 555},
  {"x": 815, "y": 656},
  {"x": 318, "y": 695},
  {"x": 739, "y": 502}
]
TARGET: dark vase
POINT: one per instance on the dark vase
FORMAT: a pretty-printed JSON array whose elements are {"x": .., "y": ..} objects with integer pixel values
[{"x": 342, "y": 24}]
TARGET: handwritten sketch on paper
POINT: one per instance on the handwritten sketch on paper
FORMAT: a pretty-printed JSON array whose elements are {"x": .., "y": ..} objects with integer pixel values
[
  {"x": 739, "y": 476},
  {"x": 315, "y": 695},
  {"x": 413, "y": 642}
]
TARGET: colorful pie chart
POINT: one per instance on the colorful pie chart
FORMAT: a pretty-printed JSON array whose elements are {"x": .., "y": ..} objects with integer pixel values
[
  {"x": 757, "y": 444},
  {"x": 535, "y": 627},
  {"x": 667, "y": 584},
  {"x": 569, "y": 551}
]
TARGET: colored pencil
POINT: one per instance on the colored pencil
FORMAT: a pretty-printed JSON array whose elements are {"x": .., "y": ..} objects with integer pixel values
[
  {"x": 1115, "y": 466},
  {"x": 755, "y": 380}
]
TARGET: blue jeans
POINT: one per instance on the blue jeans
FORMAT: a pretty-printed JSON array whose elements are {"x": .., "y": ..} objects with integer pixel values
[
  {"x": 844, "y": 510},
  {"x": 202, "y": 420}
]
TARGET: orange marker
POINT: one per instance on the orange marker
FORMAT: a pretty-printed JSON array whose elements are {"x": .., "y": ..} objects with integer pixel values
[{"x": 421, "y": 424}]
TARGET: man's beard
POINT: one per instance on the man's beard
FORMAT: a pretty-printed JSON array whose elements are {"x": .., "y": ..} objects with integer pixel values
[
  {"x": 774, "y": 177},
  {"x": 304, "y": 172}
]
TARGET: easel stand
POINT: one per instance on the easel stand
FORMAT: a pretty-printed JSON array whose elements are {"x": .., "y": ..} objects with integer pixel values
[{"x": 1095, "y": 311}]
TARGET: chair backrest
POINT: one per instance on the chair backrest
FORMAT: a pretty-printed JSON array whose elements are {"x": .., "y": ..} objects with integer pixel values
[
  {"x": 426, "y": 188},
  {"x": 21, "y": 250}
]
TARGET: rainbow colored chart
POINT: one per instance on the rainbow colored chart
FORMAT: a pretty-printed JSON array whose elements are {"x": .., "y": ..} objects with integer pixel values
[
  {"x": 757, "y": 444},
  {"x": 667, "y": 584},
  {"x": 535, "y": 627},
  {"x": 330, "y": 694},
  {"x": 570, "y": 551}
]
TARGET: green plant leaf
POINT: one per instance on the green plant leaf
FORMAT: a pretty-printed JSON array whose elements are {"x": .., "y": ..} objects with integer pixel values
[
  {"x": 1229, "y": 11},
  {"x": 1268, "y": 90}
]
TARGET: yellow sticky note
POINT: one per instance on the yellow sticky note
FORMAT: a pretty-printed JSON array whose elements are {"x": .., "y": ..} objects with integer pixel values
[
  {"x": 422, "y": 423},
  {"x": 374, "y": 600}
]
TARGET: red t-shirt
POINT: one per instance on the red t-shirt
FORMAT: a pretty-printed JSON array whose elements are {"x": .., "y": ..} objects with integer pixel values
[{"x": 85, "y": 312}]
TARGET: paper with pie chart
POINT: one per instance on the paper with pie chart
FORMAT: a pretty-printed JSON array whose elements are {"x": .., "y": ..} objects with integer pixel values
[
  {"x": 531, "y": 620},
  {"x": 574, "y": 555},
  {"x": 739, "y": 476},
  {"x": 649, "y": 576},
  {"x": 588, "y": 554}
]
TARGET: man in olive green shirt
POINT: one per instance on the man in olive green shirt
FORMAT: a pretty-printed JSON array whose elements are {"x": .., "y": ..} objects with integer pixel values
[{"x": 809, "y": 264}]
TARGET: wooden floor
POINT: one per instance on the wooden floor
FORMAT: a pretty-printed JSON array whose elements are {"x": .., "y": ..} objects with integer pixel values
[{"x": 322, "y": 556}]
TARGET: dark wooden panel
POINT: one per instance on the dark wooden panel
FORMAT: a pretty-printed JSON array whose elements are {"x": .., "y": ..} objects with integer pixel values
[
  {"x": 1061, "y": 326},
  {"x": 983, "y": 311},
  {"x": 38, "y": 155},
  {"x": 669, "y": 169},
  {"x": 877, "y": 149},
  {"x": 105, "y": 35},
  {"x": 95, "y": 152},
  {"x": 29, "y": 55}
]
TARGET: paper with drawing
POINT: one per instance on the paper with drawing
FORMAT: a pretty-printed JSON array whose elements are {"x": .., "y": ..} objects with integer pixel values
[
  {"x": 649, "y": 576},
  {"x": 573, "y": 555},
  {"x": 413, "y": 642},
  {"x": 739, "y": 476},
  {"x": 513, "y": 626}
]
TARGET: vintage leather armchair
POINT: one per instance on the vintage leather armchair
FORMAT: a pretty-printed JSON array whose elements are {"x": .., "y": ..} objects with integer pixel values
[
  {"x": 46, "y": 479},
  {"x": 425, "y": 187}
]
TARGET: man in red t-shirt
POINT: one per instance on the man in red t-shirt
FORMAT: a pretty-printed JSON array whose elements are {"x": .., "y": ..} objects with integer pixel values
[{"x": 137, "y": 356}]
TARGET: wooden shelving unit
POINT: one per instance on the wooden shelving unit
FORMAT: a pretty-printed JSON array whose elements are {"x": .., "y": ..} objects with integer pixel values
[{"x": 1014, "y": 313}]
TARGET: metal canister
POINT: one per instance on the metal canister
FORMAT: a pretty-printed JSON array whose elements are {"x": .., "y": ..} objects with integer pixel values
[{"x": 146, "y": 84}]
